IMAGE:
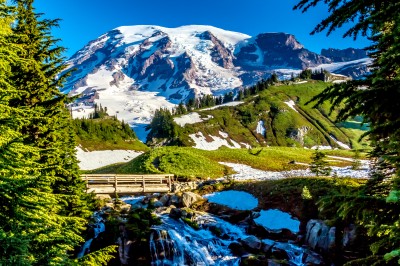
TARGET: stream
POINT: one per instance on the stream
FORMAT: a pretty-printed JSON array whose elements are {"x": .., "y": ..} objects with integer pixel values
[
  {"x": 174, "y": 243},
  {"x": 215, "y": 242}
]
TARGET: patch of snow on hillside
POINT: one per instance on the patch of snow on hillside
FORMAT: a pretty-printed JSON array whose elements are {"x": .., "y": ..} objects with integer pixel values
[
  {"x": 89, "y": 160},
  {"x": 217, "y": 142},
  {"x": 332, "y": 67},
  {"x": 223, "y": 134},
  {"x": 238, "y": 200},
  {"x": 320, "y": 147},
  {"x": 82, "y": 111},
  {"x": 260, "y": 128},
  {"x": 222, "y": 105},
  {"x": 341, "y": 144},
  {"x": 245, "y": 172},
  {"x": 276, "y": 220},
  {"x": 246, "y": 145},
  {"x": 291, "y": 104},
  {"x": 190, "y": 118}
]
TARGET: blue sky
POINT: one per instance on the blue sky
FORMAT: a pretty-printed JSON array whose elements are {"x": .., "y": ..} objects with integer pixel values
[{"x": 85, "y": 20}]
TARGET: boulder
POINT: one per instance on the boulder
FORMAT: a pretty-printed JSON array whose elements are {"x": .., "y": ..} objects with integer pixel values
[
  {"x": 251, "y": 242},
  {"x": 164, "y": 199},
  {"x": 267, "y": 244},
  {"x": 237, "y": 249},
  {"x": 349, "y": 236},
  {"x": 188, "y": 198},
  {"x": 312, "y": 258},
  {"x": 175, "y": 213},
  {"x": 174, "y": 200},
  {"x": 320, "y": 237},
  {"x": 158, "y": 204}
]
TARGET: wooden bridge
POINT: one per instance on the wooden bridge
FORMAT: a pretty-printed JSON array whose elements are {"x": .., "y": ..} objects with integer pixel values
[{"x": 127, "y": 184}]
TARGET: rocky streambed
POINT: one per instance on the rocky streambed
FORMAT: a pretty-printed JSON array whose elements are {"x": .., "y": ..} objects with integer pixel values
[{"x": 188, "y": 229}]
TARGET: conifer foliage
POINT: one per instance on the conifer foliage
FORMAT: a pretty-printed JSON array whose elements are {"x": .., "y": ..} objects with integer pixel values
[
  {"x": 376, "y": 98},
  {"x": 43, "y": 204},
  {"x": 319, "y": 166}
]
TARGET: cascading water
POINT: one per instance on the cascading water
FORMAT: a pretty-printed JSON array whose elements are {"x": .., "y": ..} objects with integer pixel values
[
  {"x": 176, "y": 243},
  {"x": 98, "y": 227}
]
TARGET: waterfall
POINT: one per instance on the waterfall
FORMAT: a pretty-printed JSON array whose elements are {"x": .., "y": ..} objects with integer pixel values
[
  {"x": 98, "y": 227},
  {"x": 175, "y": 243}
]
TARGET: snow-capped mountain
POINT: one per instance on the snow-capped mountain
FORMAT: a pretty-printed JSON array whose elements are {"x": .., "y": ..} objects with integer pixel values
[{"x": 133, "y": 70}]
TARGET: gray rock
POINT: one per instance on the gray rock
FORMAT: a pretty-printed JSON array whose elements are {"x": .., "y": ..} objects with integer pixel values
[
  {"x": 320, "y": 237},
  {"x": 158, "y": 204},
  {"x": 188, "y": 198},
  {"x": 174, "y": 200},
  {"x": 267, "y": 244},
  {"x": 349, "y": 236},
  {"x": 175, "y": 213},
  {"x": 252, "y": 243},
  {"x": 164, "y": 199}
]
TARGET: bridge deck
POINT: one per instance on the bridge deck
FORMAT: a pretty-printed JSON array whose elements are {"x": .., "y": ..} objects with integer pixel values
[{"x": 127, "y": 184}]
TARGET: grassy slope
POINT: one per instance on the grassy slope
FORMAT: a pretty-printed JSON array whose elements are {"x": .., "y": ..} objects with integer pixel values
[
  {"x": 240, "y": 122},
  {"x": 192, "y": 163}
]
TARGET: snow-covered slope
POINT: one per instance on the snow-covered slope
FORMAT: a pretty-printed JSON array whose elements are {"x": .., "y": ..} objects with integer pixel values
[{"x": 133, "y": 70}]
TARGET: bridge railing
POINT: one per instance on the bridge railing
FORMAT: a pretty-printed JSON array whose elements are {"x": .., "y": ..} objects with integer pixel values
[{"x": 115, "y": 183}]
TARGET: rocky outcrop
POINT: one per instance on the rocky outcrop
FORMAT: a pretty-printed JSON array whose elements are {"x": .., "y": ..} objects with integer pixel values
[
  {"x": 117, "y": 77},
  {"x": 320, "y": 237},
  {"x": 219, "y": 53},
  {"x": 298, "y": 134},
  {"x": 188, "y": 198},
  {"x": 279, "y": 50},
  {"x": 344, "y": 55}
]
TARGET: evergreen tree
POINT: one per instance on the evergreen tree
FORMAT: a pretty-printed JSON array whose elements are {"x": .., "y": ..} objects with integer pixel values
[
  {"x": 42, "y": 197},
  {"x": 162, "y": 125},
  {"x": 375, "y": 98},
  {"x": 319, "y": 166}
]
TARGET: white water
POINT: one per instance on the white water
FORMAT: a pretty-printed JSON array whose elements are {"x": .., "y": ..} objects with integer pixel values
[
  {"x": 174, "y": 243},
  {"x": 98, "y": 227}
]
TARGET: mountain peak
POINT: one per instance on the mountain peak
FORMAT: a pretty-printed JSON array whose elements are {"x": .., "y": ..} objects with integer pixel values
[{"x": 133, "y": 70}]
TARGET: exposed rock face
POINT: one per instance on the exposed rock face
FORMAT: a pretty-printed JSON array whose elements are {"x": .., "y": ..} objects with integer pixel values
[
  {"x": 344, "y": 55},
  {"x": 117, "y": 77},
  {"x": 320, "y": 237},
  {"x": 279, "y": 50},
  {"x": 349, "y": 236},
  {"x": 298, "y": 134},
  {"x": 219, "y": 53}
]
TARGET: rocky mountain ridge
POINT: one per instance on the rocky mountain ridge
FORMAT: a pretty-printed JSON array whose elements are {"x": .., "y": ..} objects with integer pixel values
[{"x": 133, "y": 70}]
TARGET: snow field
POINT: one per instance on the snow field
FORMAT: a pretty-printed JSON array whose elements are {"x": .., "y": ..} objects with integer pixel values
[
  {"x": 89, "y": 160},
  {"x": 202, "y": 143}
]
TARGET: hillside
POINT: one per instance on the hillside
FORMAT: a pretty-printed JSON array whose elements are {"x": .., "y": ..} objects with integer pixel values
[
  {"x": 190, "y": 163},
  {"x": 106, "y": 133},
  {"x": 276, "y": 116}
]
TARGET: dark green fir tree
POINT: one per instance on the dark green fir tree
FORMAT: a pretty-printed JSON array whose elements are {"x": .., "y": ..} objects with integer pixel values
[
  {"x": 319, "y": 166},
  {"x": 376, "y": 99},
  {"x": 44, "y": 206}
]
